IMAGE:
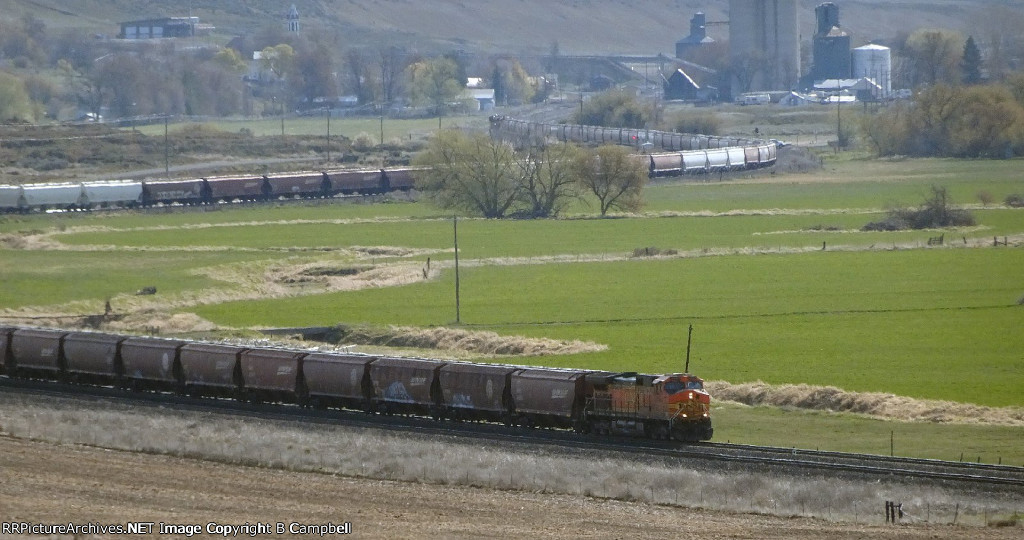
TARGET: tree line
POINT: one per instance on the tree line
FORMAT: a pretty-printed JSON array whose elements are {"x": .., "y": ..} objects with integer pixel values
[
  {"x": 47, "y": 73},
  {"x": 478, "y": 175}
]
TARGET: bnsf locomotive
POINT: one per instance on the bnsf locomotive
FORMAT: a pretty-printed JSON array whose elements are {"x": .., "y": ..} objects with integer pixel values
[{"x": 673, "y": 406}]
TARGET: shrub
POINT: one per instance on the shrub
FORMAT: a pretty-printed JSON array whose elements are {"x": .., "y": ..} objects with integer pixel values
[
  {"x": 703, "y": 123},
  {"x": 936, "y": 212},
  {"x": 1015, "y": 200},
  {"x": 363, "y": 142}
]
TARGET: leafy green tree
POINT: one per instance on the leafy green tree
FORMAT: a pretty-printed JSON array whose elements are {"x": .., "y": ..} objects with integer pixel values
[
  {"x": 230, "y": 60},
  {"x": 470, "y": 173},
  {"x": 614, "y": 176},
  {"x": 435, "y": 83},
  {"x": 511, "y": 82},
  {"x": 278, "y": 59},
  {"x": 974, "y": 121},
  {"x": 478, "y": 175},
  {"x": 549, "y": 180},
  {"x": 614, "y": 109},
  {"x": 14, "y": 101},
  {"x": 970, "y": 64}
]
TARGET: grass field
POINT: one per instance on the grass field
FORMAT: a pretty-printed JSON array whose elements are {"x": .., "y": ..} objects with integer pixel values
[{"x": 874, "y": 312}]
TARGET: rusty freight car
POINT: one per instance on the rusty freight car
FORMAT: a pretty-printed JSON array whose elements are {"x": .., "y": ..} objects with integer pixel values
[
  {"x": 92, "y": 357},
  {"x": 338, "y": 380},
  {"x": 37, "y": 353},
  {"x": 477, "y": 391},
  {"x": 152, "y": 363},
  {"x": 549, "y": 397},
  {"x": 212, "y": 369},
  {"x": 407, "y": 386},
  {"x": 273, "y": 375}
]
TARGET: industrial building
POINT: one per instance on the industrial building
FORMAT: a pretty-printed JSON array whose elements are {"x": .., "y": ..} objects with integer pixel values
[
  {"x": 764, "y": 37},
  {"x": 830, "y": 45},
  {"x": 698, "y": 36}
]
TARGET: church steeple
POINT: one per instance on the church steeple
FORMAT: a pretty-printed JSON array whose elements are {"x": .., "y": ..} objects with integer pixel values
[{"x": 293, "y": 20}]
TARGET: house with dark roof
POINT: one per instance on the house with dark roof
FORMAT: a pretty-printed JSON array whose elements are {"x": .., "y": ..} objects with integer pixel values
[{"x": 680, "y": 86}]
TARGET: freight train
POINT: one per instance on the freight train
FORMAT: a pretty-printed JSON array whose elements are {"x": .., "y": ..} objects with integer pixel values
[
  {"x": 672, "y": 406},
  {"x": 203, "y": 191},
  {"x": 681, "y": 153}
]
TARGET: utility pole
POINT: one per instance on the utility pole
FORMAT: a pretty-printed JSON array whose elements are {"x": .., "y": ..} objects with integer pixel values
[
  {"x": 839, "y": 118},
  {"x": 689, "y": 338},
  {"x": 328, "y": 134},
  {"x": 455, "y": 227},
  {"x": 167, "y": 160}
]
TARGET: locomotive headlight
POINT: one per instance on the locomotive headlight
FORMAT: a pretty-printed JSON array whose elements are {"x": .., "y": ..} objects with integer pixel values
[{"x": 689, "y": 395}]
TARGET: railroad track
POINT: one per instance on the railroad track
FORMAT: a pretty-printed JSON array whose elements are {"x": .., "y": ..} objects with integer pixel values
[{"x": 707, "y": 455}]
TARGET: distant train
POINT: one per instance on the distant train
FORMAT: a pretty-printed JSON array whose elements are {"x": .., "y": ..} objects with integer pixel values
[
  {"x": 199, "y": 191},
  {"x": 672, "y": 406},
  {"x": 687, "y": 153}
]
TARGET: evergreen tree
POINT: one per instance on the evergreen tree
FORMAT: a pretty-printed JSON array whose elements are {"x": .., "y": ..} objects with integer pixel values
[{"x": 970, "y": 65}]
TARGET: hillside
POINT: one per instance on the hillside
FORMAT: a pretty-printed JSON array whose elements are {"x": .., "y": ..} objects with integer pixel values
[{"x": 523, "y": 26}]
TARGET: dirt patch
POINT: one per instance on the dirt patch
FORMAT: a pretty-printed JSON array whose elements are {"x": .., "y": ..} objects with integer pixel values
[
  {"x": 887, "y": 406},
  {"x": 152, "y": 463},
  {"x": 46, "y": 483}
]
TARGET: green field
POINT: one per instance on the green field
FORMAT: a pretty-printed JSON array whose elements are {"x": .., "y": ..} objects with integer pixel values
[{"x": 873, "y": 312}]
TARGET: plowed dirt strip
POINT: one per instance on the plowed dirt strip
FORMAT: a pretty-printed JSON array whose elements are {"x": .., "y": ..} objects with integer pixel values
[{"x": 58, "y": 484}]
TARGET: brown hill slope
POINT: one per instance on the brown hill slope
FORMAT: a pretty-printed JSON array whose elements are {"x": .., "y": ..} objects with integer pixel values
[{"x": 579, "y": 26}]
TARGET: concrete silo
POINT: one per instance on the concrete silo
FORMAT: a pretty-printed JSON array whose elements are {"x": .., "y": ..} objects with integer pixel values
[
  {"x": 764, "y": 39},
  {"x": 874, "y": 62}
]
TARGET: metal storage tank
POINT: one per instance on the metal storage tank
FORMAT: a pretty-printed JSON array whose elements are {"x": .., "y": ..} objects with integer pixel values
[{"x": 874, "y": 62}]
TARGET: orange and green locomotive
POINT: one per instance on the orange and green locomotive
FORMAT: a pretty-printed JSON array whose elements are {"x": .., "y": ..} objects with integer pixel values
[{"x": 673, "y": 406}]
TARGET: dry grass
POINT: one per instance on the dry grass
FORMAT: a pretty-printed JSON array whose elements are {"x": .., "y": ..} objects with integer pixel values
[
  {"x": 887, "y": 406},
  {"x": 429, "y": 459},
  {"x": 455, "y": 339}
]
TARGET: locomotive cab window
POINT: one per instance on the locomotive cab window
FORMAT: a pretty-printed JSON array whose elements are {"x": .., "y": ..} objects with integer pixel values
[
  {"x": 694, "y": 385},
  {"x": 673, "y": 386}
]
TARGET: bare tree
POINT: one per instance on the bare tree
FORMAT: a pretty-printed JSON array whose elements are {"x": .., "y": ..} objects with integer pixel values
[
  {"x": 360, "y": 78},
  {"x": 936, "y": 56},
  {"x": 392, "y": 63}
]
